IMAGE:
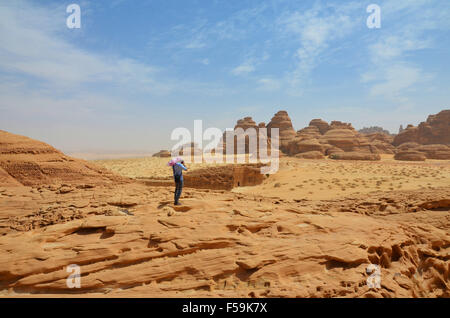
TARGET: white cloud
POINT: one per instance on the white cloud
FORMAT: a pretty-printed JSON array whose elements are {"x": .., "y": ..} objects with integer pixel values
[
  {"x": 395, "y": 80},
  {"x": 394, "y": 46},
  {"x": 315, "y": 29},
  {"x": 391, "y": 73},
  {"x": 244, "y": 68},
  {"x": 32, "y": 44},
  {"x": 269, "y": 84}
]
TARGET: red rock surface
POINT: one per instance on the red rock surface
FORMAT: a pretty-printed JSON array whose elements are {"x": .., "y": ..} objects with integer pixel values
[{"x": 436, "y": 130}]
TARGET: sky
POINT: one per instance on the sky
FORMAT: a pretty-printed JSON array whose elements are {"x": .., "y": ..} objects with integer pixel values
[{"x": 136, "y": 70}]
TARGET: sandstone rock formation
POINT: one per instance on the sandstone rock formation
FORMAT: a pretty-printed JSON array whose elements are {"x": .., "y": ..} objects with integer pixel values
[
  {"x": 337, "y": 137},
  {"x": 282, "y": 121},
  {"x": 321, "y": 125},
  {"x": 6, "y": 180},
  {"x": 355, "y": 156},
  {"x": 382, "y": 142},
  {"x": 310, "y": 155},
  {"x": 215, "y": 178},
  {"x": 310, "y": 132},
  {"x": 335, "y": 124},
  {"x": 436, "y": 130},
  {"x": 30, "y": 162},
  {"x": 407, "y": 146},
  {"x": 162, "y": 154},
  {"x": 410, "y": 155},
  {"x": 242, "y": 131},
  {"x": 299, "y": 145},
  {"x": 348, "y": 140},
  {"x": 441, "y": 152},
  {"x": 374, "y": 130}
]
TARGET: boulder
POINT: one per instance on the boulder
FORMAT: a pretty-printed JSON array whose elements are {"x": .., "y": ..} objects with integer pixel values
[
  {"x": 410, "y": 155},
  {"x": 310, "y": 155},
  {"x": 355, "y": 156},
  {"x": 441, "y": 152}
]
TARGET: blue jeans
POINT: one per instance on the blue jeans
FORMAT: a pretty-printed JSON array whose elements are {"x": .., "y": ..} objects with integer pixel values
[{"x": 178, "y": 189}]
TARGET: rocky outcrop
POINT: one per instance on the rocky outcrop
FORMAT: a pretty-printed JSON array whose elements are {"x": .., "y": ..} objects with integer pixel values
[
  {"x": 31, "y": 162},
  {"x": 215, "y": 178},
  {"x": 6, "y": 180},
  {"x": 382, "y": 142},
  {"x": 441, "y": 152},
  {"x": 321, "y": 125},
  {"x": 162, "y": 154},
  {"x": 355, "y": 156},
  {"x": 436, "y": 130},
  {"x": 374, "y": 130},
  {"x": 410, "y": 155},
  {"x": 407, "y": 146},
  {"x": 242, "y": 130},
  {"x": 348, "y": 140},
  {"x": 211, "y": 246},
  {"x": 310, "y": 155},
  {"x": 287, "y": 133},
  {"x": 310, "y": 132},
  {"x": 224, "y": 178},
  {"x": 385, "y": 138},
  {"x": 340, "y": 125},
  {"x": 299, "y": 145},
  {"x": 337, "y": 137}
]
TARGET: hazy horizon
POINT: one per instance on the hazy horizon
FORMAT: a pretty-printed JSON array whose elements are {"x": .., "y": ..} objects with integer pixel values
[{"x": 134, "y": 71}]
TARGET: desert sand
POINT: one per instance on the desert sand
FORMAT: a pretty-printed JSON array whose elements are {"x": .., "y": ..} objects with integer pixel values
[{"x": 313, "y": 179}]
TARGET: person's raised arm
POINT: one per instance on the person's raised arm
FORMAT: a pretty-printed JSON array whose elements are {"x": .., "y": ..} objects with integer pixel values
[{"x": 182, "y": 166}]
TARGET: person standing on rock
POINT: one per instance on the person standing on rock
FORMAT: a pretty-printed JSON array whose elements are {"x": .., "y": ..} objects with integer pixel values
[{"x": 178, "y": 167}]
